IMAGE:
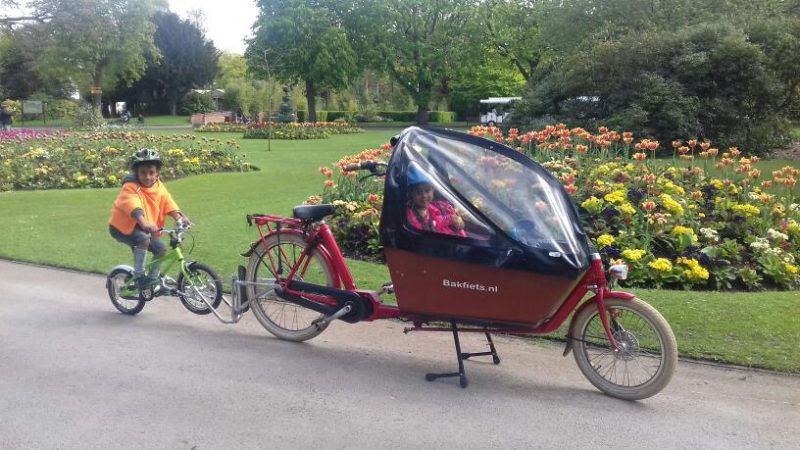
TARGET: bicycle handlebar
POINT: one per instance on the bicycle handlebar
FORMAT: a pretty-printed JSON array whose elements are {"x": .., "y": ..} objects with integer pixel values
[
  {"x": 364, "y": 165},
  {"x": 179, "y": 228}
]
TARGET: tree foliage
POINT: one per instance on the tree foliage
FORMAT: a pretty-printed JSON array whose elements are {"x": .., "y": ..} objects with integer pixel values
[
  {"x": 302, "y": 43},
  {"x": 188, "y": 60},
  {"x": 413, "y": 41},
  {"x": 732, "y": 79},
  {"x": 97, "y": 42}
]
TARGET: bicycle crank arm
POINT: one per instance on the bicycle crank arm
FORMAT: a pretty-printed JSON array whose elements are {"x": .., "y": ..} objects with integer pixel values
[{"x": 321, "y": 322}]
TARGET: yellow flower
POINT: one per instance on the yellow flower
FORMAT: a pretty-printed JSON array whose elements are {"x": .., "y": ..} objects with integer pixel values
[
  {"x": 615, "y": 197},
  {"x": 790, "y": 268},
  {"x": 627, "y": 209},
  {"x": 746, "y": 210},
  {"x": 695, "y": 271},
  {"x": 661, "y": 265},
  {"x": 593, "y": 204},
  {"x": 679, "y": 230},
  {"x": 604, "y": 240},
  {"x": 671, "y": 205},
  {"x": 633, "y": 255},
  {"x": 718, "y": 184}
]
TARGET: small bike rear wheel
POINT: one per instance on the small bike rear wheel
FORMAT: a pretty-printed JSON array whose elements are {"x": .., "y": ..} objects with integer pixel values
[
  {"x": 283, "y": 318},
  {"x": 115, "y": 282},
  {"x": 207, "y": 283},
  {"x": 646, "y": 361}
]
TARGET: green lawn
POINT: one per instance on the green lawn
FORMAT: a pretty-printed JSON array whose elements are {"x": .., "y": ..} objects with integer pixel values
[
  {"x": 39, "y": 123},
  {"x": 67, "y": 228},
  {"x": 163, "y": 120}
]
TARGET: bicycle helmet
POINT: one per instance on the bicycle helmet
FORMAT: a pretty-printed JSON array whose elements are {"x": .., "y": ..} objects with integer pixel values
[
  {"x": 417, "y": 176},
  {"x": 146, "y": 155}
]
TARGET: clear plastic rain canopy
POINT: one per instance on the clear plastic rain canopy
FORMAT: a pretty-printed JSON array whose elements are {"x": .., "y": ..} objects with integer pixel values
[{"x": 511, "y": 212}]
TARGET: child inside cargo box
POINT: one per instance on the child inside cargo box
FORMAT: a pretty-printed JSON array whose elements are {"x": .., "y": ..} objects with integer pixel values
[{"x": 425, "y": 213}]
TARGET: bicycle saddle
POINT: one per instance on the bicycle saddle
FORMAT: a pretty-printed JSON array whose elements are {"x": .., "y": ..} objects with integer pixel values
[{"x": 312, "y": 212}]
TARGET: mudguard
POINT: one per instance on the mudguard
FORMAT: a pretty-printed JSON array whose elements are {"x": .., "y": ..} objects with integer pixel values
[
  {"x": 122, "y": 267},
  {"x": 591, "y": 303}
]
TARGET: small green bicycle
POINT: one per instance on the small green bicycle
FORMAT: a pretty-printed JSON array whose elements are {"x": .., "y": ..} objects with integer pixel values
[{"x": 198, "y": 286}]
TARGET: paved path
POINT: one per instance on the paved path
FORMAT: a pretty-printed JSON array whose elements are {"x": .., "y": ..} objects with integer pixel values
[{"x": 74, "y": 373}]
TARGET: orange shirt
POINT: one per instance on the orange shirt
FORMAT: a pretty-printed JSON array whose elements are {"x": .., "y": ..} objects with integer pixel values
[{"x": 155, "y": 202}]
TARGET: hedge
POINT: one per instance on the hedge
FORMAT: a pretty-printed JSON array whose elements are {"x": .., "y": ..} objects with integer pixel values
[{"x": 396, "y": 116}]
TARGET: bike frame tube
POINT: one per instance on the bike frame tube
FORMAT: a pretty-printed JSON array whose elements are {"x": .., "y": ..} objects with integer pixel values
[
  {"x": 337, "y": 259},
  {"x": 168, "y": 260}
]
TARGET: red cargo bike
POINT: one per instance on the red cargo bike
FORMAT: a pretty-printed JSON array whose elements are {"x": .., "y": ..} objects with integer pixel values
[{"x": 499, "y": 250}]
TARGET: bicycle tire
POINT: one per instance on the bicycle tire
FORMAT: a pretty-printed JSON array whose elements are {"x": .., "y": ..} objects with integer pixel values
[
  {"x": 211, "y": 280},
  {"x": 284, "y": 319},
  {"x": 628, "y": 318},
  {"x": 115, "y": 280}
]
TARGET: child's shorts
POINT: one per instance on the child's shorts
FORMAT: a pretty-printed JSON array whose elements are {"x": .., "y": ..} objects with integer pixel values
[{"x": 138, "y": 235}]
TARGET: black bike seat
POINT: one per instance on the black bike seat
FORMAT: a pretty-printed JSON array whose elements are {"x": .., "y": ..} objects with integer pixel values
[{"x": 312, "y": 212}]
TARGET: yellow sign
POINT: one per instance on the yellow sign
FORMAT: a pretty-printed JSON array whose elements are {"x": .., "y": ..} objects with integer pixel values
[{"x": 95, "y": 90}]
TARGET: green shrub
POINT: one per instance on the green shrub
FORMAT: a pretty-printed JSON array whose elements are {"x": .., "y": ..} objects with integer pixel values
[
  {"x": 196, "y": 103},
  {"x": 299, "y": 130},
  {"x": 442, "y": 116},
  {"x": 302, "y": 116}
]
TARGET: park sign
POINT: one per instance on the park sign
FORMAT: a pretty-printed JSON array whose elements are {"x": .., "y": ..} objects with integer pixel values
[{"x": 32, "y": 107}]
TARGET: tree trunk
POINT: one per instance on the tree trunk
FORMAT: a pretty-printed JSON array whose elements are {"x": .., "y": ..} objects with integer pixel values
[
  {"x": 96, "y": 93},
  {"x": 422, "y": 115},
  {"x": 312, "y": 101},
  {"x": 173, "y": 106}
]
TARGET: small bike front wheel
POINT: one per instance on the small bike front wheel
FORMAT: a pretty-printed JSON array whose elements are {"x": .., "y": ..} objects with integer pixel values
[
  {"x": 202, "y": 280},
  {"x": 646, "y": 359},
  {"x": 283, "y": 318},
  {"x": 116, "y": 282}
]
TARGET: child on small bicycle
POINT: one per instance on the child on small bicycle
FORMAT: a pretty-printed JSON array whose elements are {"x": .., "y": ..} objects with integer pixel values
[
  {"x": 425, "y": 213},
  {"x": 139, "y": 213}
]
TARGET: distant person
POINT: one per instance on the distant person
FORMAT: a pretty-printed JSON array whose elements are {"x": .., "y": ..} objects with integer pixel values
[
  {"x": 140, "y": 119},
  {"x": 5, "y": 118}
]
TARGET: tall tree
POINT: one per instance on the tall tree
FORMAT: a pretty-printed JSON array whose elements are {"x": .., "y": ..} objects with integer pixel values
[
  {"x": 414, "y": 41},
  {"x": 188, "y": 60},
  {"x": 97, "y": 42},
  {"x": 301, "y": 43}
]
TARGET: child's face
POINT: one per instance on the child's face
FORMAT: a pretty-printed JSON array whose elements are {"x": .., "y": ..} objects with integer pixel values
[
  {"x": 422, "y": 195},
  {"x": 147, "y": 175}
]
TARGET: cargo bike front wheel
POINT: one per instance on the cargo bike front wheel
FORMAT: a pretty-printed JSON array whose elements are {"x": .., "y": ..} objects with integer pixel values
[{"x": 647, "y": 355}]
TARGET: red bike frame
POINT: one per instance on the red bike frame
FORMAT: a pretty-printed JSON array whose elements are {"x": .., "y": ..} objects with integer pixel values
[{"x": 321, "y": 238}]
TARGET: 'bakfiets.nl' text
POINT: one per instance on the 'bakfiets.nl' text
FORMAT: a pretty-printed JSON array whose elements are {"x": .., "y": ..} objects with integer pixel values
[{"x": 470, "y": 286}]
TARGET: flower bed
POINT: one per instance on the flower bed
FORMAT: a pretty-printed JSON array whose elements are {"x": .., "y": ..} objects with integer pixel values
[
  {"x": 101, "y": 159},
  {"x": 27, "y": 134},
  {"x": 696, "y": 218},
  {"x": 358, "y": 204},
  {"x": 222, "y": 128},
  {"x": 300, "y": 130}
]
